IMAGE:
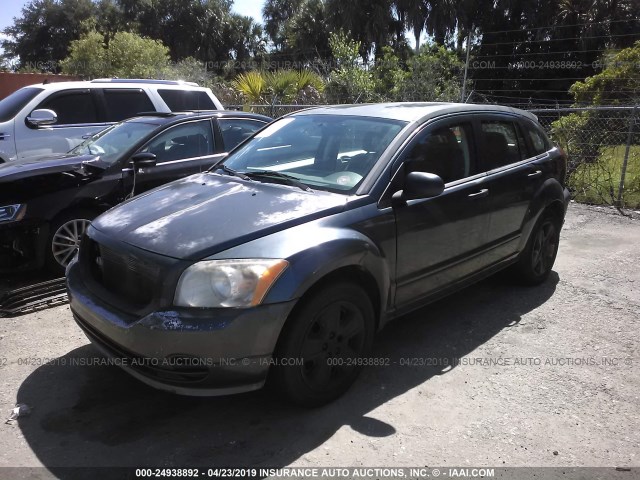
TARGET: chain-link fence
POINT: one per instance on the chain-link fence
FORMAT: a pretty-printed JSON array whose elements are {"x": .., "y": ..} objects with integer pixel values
[
  {"x": 603, "y": 149},
  {"x": 602, "y": 143},
  {"x": 274, "y": 111}
]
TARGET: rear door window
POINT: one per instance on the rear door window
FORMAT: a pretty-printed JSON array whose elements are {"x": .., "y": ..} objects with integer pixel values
[
  {"x": 72, "y": 107},
  {"x": 126, "y": 103},
  {"x": 501, "y": 144},
  {"x": 184, "y": 100},
  {"x": 237, "y": 130}
]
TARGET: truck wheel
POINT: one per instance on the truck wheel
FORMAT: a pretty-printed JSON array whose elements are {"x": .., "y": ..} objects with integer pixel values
[
  {"x": 65, "y": 235},
  {"x": 316, "y": 357}
]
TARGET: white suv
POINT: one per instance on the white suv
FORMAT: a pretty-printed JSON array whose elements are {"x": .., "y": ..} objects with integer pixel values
[{"x": 53, "y": 118}]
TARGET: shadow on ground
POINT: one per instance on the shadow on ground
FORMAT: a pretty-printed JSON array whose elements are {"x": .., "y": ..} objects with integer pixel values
[{"x": 100, "y": 416}]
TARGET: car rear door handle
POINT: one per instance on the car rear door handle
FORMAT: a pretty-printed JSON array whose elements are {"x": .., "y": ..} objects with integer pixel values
[
  {"x": 535, "y": 174},
  {"x": 482, "y": 193}
]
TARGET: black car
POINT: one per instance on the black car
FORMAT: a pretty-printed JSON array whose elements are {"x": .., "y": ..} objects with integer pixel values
[
  {"x": 47, "y": 203},
  {"x": 283, "y": 261}
]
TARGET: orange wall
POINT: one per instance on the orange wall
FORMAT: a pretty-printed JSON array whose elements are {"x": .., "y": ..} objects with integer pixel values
[{"x": 10, "y": 82}]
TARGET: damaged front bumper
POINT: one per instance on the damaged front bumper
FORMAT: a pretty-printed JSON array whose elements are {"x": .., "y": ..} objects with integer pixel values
[
  {"x": 22, "y": 246},
  {"x": 198, "y": 352}
]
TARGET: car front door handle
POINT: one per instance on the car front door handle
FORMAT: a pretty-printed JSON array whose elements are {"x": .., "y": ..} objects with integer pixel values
[
  {"x": 535, "y": 174},
  {"x": 482, "y": 193}
]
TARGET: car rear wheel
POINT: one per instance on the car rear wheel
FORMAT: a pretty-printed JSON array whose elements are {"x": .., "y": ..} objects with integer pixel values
[
  {"x": 538, "y": 257},
  {"x": 64, "y": 239},
  {"x": 318, "y": 352}
]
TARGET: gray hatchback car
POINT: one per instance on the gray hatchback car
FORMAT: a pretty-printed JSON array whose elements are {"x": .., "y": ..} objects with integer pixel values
[{"x": 282, "y": 262}]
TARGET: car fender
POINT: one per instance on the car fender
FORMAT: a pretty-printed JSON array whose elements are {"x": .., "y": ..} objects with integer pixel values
[
  {"x": 315, "y": 253},
  {"x": 549, "y": 192}
]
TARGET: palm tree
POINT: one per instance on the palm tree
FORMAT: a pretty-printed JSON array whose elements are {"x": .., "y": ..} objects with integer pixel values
[
  {"x": 279, "y": 87},
  {"x": 275, "y": 14},
  {"x": 413, "y": 15},
  {"x": 441, "y": 19}
]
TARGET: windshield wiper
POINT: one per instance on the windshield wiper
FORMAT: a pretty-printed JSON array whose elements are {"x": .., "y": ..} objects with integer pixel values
[
  {"x": 278, "y": 176},
  {"x": 231, "y": 171}
]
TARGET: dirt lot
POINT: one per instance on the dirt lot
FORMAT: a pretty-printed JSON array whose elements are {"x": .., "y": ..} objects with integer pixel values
[{"x": 542, "y": 377}]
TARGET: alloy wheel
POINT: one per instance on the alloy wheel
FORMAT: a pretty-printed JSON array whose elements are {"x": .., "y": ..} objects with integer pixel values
[
  {"x": 544, "y": 248},
  {"x": 66, "y": 240},
  {"x": 333, "y": 343}
]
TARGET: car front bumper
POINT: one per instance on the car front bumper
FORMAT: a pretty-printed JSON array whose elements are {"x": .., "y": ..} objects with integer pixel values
[{"x": 199, "y": 352}]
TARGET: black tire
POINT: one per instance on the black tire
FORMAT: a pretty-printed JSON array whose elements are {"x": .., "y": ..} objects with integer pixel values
[
  {"x": 537, "y": 259},
  {"x": 330, "y": 326},
  {"x": 52, "y": 260}
]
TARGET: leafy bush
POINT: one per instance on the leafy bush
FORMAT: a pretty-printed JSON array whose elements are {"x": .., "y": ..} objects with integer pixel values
[
  {"x": 349, "y": 82},
  {"x": 279, "y": 87},
  {"x": 127, "y": 55},
  {"x": 598, "y": 182}
]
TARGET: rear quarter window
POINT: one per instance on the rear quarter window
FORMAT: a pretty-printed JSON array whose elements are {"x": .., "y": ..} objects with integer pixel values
[
  {"x": 235, "y": 131},
  {"x": 539, "y": 141},
  {"x": 182, "y": 100}
]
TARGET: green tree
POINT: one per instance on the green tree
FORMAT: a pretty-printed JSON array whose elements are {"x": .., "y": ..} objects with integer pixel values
[
  {"x": 584, "y": 135},
  {"x": 111, "y": 19},
  {"x": 349, "y": 82},
  {"x": 413, "y": 15},
  {"x": 127, "y": 55},
  {"x": 371, "y": 23},
  {"x": 246, "y": 38},
  {"x": 617, "y": 83},
  {"x": 41, "y": 35},
  {"x": 433, "y": 75},
  {"x": 276, "y": 14},
  {"x": 306, "y": 32}
]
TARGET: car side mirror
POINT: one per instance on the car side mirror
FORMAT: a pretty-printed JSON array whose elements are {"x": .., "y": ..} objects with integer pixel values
[
  {"x": 144, "y": 160},
  {"x": 418, "y": 185},
  {"x": 41, "y": 117}
]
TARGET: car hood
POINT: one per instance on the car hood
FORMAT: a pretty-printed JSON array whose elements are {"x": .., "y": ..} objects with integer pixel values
[
  {"x": 43, "y": 166},
  {"x": 208, "y": 213},
  {"x": 26, "y": 180}
]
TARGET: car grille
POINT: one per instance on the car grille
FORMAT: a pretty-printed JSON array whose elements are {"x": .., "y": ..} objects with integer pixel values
[{"x": 126, "y": 277}]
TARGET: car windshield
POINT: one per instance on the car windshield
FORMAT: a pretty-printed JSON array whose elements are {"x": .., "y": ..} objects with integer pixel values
[
  {"x": 11, "y": 105},
  {"x": 110, "y": 143},
  {"x": 324, "y": 152}
]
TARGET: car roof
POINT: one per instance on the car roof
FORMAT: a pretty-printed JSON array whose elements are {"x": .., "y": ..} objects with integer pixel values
[
  {"x": 161, "y": 118},
  {"x": 410, "y": 111},
  {"x": 118, "y": 83}
]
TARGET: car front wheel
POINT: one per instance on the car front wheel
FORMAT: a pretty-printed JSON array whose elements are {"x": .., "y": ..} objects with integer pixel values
[
  {"x": 64, "y": 239},
  {"x": 321, "y": 348}
]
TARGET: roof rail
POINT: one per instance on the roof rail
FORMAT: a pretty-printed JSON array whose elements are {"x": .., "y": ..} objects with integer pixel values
[
  {"x": 156, "y": 114},
  {"x": 142, "y": 80}
]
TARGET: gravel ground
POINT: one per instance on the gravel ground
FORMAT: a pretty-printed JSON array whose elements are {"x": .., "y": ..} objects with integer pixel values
[{"x": 534, "y": 377}]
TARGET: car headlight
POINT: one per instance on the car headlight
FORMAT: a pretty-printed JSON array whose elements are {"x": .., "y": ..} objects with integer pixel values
[
  {"x": 227, "y": 283},
  {"x": 12, "y": 213}
]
